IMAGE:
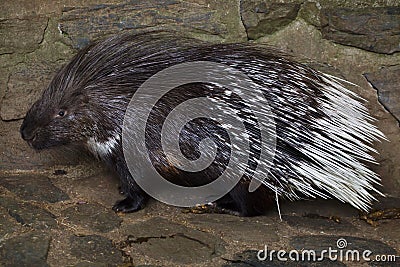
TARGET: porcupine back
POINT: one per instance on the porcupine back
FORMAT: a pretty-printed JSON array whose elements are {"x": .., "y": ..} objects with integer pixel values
[{"x": 324, "y": 133}]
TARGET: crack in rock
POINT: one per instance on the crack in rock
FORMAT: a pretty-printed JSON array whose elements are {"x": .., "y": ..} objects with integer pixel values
[
  {"x": 143, "y": 239},
  {"x": 385, "y": 83}
]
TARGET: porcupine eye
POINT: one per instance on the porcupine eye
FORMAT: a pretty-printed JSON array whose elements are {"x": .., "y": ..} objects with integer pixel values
[{"x": 61, "y": 113}]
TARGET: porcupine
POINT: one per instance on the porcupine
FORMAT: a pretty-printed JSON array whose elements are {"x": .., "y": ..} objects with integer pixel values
[{"x": 324, "y": 133}]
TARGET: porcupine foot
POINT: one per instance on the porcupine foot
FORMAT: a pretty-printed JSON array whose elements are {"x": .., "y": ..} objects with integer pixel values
[{"x": 130, "y": 203}]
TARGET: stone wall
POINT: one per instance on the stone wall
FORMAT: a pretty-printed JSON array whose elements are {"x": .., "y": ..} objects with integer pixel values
[{"x": 357, "y": 40}]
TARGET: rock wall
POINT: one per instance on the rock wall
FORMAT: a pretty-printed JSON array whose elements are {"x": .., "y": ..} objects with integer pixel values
[{"x": 357, "y": 40}]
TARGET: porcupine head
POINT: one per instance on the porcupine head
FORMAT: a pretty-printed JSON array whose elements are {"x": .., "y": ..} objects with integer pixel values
[{"x": 66, "y": 115}]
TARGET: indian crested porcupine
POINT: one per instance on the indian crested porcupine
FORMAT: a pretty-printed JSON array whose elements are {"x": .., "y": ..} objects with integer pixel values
[{"x": 323, "y": 132}]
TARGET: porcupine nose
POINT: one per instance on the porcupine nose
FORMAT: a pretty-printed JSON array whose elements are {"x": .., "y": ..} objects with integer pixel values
[{"x": 26, "y": 132}]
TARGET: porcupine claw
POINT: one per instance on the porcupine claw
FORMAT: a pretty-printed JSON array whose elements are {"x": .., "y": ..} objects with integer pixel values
[{"x": 130, "y": 204}]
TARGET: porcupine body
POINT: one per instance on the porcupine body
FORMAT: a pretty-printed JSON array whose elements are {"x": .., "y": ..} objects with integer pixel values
[{"x": 323, "y": 132}]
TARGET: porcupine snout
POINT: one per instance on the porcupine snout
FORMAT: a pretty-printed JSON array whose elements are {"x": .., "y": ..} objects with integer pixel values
[{"x": 28, "y": 131}]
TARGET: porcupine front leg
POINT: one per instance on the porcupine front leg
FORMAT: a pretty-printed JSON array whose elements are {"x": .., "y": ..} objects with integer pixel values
[{"x": 136, "y": 198}]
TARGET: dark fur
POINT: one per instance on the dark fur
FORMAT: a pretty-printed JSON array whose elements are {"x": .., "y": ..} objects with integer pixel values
[{"x": 94, "y": 89}]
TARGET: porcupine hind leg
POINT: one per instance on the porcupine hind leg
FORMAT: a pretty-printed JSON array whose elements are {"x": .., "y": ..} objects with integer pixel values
[
  {"x": 239, "y": 201},
  {"x": 135, "y": 198}
]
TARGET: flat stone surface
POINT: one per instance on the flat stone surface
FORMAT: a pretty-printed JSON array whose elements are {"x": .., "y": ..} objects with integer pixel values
[
  {"x": 261, "y": 18},
  {"x": 161, "y": 239},
  {"x": 27, "y": 214},
  {"x": 29, "y": 8},
  {"x": 238, "y": 229},
  {"x": 319, "y": 215},
  {"x": 249, "y": 258},
  {"x": 11, "y": 29},
  {"x": 387, "y": 203},
  {"x": 91, "y": 264},
  {"x": 81, "y": 24},
  {"x": 386, "y": 81},
  {"x": 315, "y": 223},
  {"x": 26, "y": 250},
  {"x": 322, "y": 207},
  {"x": 95, "y": 249},
  {"x": 102, "y": 187},
  {"x": 7, "y": 224},
  {"x": 389, "y": 230},
  {"x": 92, "y": 216},
  {"x": 24, "y": 86},
  {"x": 34, "y": 187},
  {"x": 375, "y": 29}
]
